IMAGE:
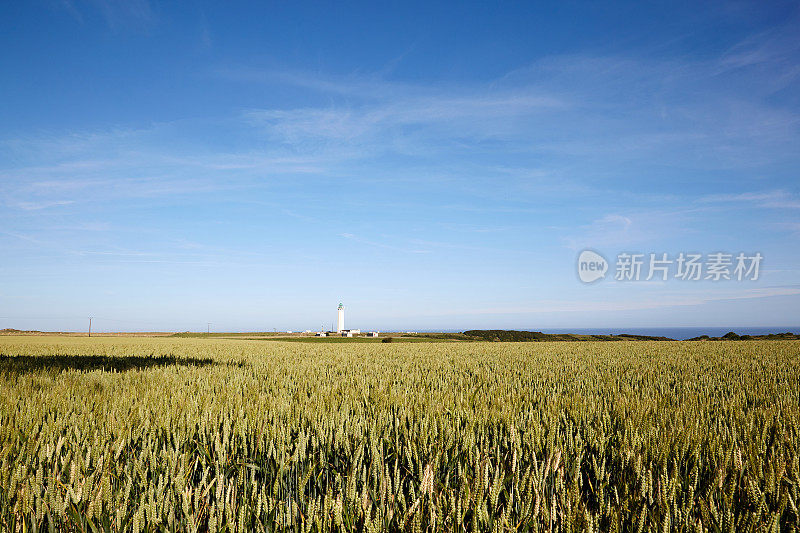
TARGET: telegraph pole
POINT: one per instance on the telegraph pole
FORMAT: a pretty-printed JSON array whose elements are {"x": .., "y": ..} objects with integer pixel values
[
  {"x": 90, "y": 326},
  {"x": 208, "y": 331}
]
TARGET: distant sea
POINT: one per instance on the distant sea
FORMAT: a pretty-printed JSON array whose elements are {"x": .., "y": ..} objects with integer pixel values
[
  {"x": 672, "y": 333},
  {"x": 676, "y": 333}
]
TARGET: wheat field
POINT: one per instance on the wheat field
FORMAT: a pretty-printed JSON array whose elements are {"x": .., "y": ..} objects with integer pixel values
[{"x": 161, "y": 434}]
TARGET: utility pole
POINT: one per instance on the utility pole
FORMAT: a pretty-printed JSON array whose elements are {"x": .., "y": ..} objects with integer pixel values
[
  {"x": 90, "y": 326},
  {"x": 208, "y": 331}
]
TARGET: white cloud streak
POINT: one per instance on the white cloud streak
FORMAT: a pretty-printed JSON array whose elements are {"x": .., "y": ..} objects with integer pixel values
[{"x": 545, "y": 307}]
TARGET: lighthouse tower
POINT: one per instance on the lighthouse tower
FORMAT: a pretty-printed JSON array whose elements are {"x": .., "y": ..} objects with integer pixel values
[{"x": 340, "y": 318}]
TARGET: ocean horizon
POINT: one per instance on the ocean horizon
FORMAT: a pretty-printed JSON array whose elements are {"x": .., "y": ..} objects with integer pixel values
[{"x": 677, "y": 333}]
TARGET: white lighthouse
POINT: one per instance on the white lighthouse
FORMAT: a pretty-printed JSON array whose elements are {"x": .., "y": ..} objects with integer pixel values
[{"x": 340, "y": 318}]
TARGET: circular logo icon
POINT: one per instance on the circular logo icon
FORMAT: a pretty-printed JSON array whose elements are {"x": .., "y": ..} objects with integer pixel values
[{"x": 591, "y": 266}]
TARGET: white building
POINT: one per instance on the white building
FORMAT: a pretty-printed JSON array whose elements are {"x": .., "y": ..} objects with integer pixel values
[
  {"x": 347, "y": 333},
  {"x": 320, "y": 334},
  {"x": 372, "y": 334},
  {"x": 340, "y": 318}
]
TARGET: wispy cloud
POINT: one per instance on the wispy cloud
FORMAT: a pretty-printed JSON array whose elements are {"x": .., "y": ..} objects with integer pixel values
[
  {"x": 613, "y": 231},
  {"x": 483, "y": 116},
  {"x": 776, "y": 199},
  {"x": 380, "y": 244},
  {"x": 117, "y": 13},
  {"x": 582, "y": 123},
  {"x": 694, "y": 113},
  {"x": 35, "y": 206},
  {"x": 545, "y": 307},
  {"x": 771, "y": 51}
]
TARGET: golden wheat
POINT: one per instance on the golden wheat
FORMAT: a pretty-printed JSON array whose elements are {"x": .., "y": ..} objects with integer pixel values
[{"x": 159, "y": 434}]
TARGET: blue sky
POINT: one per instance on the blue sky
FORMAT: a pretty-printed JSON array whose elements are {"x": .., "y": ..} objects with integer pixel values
[{"x": 432, "y": 166}]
